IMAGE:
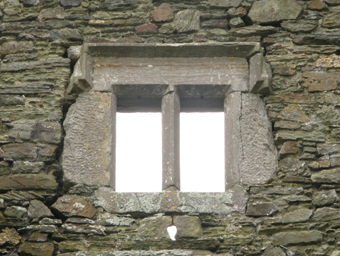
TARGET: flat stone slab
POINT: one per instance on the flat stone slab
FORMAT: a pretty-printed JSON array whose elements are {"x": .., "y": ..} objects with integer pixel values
[{"x": 233, "y": 200}]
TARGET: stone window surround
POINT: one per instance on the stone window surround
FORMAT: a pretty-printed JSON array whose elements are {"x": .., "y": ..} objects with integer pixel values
[{"x": 236, "y": 98}]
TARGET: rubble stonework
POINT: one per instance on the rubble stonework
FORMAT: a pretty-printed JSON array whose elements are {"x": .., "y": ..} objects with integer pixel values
[{"x": 294, "y": 210}]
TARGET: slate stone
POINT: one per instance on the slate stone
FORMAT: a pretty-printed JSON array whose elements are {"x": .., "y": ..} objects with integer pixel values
[
  {"x": 254, "y": 30},
  {"x": 289, "y": 147},
  {"x": 323, "y": 198},
  {"x": 298, "y": 237},
  {"x": 84, "y": 229},
  {"x": 326, "y": 214},
  {"x": 188, "y": 226},
  {"x": 261, "y": 209},
  {"x": 108, "y": 219},
  {"x": 18, "y": 151},
  {"x": 70, "y": 3},
  {"x": 48, "y": 221},
  {"x": 155, "y": 226},
  {"x": 38, "y": 237},
  {"x": 320, "y": 81},
  {"x": 9, "y": 100},
  {"x": 163, "y": 13},
  {"x": 38, "y": 210},
  {"x": 271, "y": 251},
  {"x": 314, "y": 136},
  {"x": 17, "y": 212},
  {"x": 271, "y": 11},
  {"x": 332, "y": 2},
  {"x": 328, "y": 149},
  {"x": 28, "y": 181},
  {"x": 71, "y": 205},
  {"x": 26, "y": 89},
  {"x": 66, "y": 34},
  {"x": 52, "y": 13},
  {"x": 36, "y": 249},
  {"x": 14, "y": 47},
  {"x": 300, "y": 215},
  {"x": 299, "y": 26},
  {"x": 331, "y": 20},
  {"x": 224, "y": 3},
  {"x": 31, "y": 65},
  {"x": 31, "y": 2},
  {"x": 187, "y": 21},
  {"x": 327, "y": 176},
  {"x": 215, "y": 24},
  {"x": 147, "y": 29},
  {"x": 118, "y": 5}
]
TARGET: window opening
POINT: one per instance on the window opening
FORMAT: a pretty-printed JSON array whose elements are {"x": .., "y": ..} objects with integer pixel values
[
  {"x": 202, "y": 152},
  {"x": 138, "y": 152},
  {"x": 172, "y": 231}
]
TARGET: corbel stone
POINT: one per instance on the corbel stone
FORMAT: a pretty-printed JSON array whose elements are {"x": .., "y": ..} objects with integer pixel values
[
  {"x": 81, "y": 79},
  {"x": 259, "y": 74}
]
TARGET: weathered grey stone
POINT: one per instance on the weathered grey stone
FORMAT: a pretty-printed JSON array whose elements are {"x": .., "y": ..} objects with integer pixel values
[
  {"x": 37, "y": 209},
  {"x": 73, "y": 52},
  {"x": 215, "y": 24},
  {"x": 9, "y": 236},
  {"x": 299, "y": 26},
  {"x": 327, "y": 176},
  {"x": 14, "y": 47},
  {"x": 315, "y": 136},
  {"x": 84, "y": 229},
  {"x": 31, "y": 2},
  {"x": 259, "y": 74},
  {"x": 176, "y": 252},
  {"x": 299, "y": 215},
  {"x": 27, "y": 88},
  {"x": 271, "y": 251},
  {"x": 16, "y": 212},
  {"x": 237, "y": 12},
  {"x": 335, "y": 253},
  {"x": 318, "y": 81},
  {"x": 163, "y": 13},
  {"x": 70, "y": 205},
  {"x": 224, "y": 3},
  {"x": 188, "y": 226},
  {"x": 29, "y": 181},
  {"x": 135, "y": 203},
  {"x": 87, "y": 146},
  {"x": 53, "y": 13},
  {"x": 66, "y": 34},
  {"x": 261, "y": 209},
  {"x": 76, "y": 220},
  {"x": 293, "y": 113},
  {"x": 38, "y": 237},
  {"x": 270, "y": 11},
  {"x": 113, "y": 5},
  {"x": 31, "y": 65},
  {"x": 187, "y": 21},
  {"x": 236, "y": 22},
  {"x": 48, "y": 221},
  {"x": 326, "y": 214},
  {"x": 323, "y": 198},
  {"x": 108, "y": 219},
  {"x": 298, "y": 237},
  {"x": 155, "y": 226},
  {"x": 332, "y": 2},
  {"x": 9, "y": 100},
  {"x": 254, "y": 30},
  {"x": 242, "y": 158},
  {"x": 70, "y": 3},
  {"x": 37, "y": 249},
  {"x": 328, "y": 149}
]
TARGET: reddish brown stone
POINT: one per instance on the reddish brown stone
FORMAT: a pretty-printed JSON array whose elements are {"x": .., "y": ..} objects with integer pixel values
[
  {"x": 163, "y": 13},
  {"x": 293, "y": 113},
  {"x": 28, "y": 181},
  {"x": 297, "y": 98},
  {"x": 100, "y": 22},
  {"x": 289, "y": 147},
  {"x": 147, "y": 29},
  {"x": 20, "y": 151},
  {"x": 317, "y": 82},
  {"x": 70, "y": 205},
  {"x": 316, "y": 5},
  {"x": 9, "y": 236},
  {"x": 130, "y": 39}
]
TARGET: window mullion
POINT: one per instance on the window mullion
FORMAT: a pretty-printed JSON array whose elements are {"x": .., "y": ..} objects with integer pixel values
[{"x": 170, "y": 137}]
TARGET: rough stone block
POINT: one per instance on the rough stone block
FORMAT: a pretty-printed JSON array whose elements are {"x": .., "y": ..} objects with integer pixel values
[
  {"x": 70, "y": 205},
  {"x": 298, "y": 237},
  {"x": 324, "y": 198},
  {"x": 261, "y": 209},
  {"x": 187, "y": 21},
  {"x": 254, "y": 30},
  {"x": 70, "y": 3},
  {"x": 9, "y": 236},
  {"x": 163, "y": 13},
  {"x": 37, "y": 249},
  {"x": 37, "y": 209},
  {"x": 29, "y": 181},
  {"x": 274, "y": 11},
  {"x": 224, "y": 3},
  {"x": 17, "y": 212},
  {"x": 155, "y": 226},
  {"x": 113, "y": 5},
  {"x": 147, "y": 29},
  {"x": 84, "y": 229},
  {"x": 271, "y": 251},
  {"x": 300, "y": 215},
  {"x": 188, "y": 226},
  {"x": 87, "y": 146},
  {"x": 53, "y": 13},
  {"x": 327, "y": 176}
]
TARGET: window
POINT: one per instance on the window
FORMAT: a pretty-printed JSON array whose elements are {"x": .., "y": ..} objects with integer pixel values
[{"x": 111, "y": 78}]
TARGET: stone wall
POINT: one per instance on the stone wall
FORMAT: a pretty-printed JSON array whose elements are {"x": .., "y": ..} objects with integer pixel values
[{"x": 296, "y": 213}]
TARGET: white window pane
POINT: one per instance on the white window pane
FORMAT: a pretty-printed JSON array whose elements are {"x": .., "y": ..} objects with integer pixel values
[
  {"x": 202, "y": 152},
  {"x": 139, "y": 152}
]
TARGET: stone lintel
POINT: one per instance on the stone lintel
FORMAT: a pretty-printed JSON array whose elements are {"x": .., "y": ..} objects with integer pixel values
[
  {"x": 233, "y": 200},
  {"x": 240, "y": 50},
  {"x": 259, "y": 74}
]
